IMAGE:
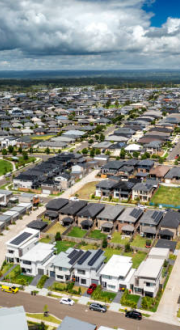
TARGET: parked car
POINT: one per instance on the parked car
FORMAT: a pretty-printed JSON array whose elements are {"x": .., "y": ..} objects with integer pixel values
[
  {"x": 177, "y": 156},
  {"x": 91, "y": 288},
  {"x": 74, "y": 198},
  {"x": 133, "y": 314},
  {"x": 67, "y": 301},
  {"x": 98, "y": 308}
]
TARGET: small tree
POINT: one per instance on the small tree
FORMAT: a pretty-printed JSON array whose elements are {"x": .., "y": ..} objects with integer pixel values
[
  {"x": 85, "y": 151},
  {"x": 47, "y": 151},
  {"x": 4, "y": 152},
  {"x": 10, "y": 149},
  {"x": 92, "y": 153},
  {"x": 58, "y": 236},
  {"x": 122, "y": 153},
  {"x": 20, "y": 150},
  {"x": 104, "y": 243},
  {"x": 127, "y": 247},
  {"x": 46, "y": 310},
  {"x": 25, "y": 155}
]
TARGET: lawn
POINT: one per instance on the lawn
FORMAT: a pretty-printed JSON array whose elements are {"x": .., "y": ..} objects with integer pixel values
[
  {"x": 41, "y": 317},
  {"x": 137, "y": 257},
  {"x": 84, "y": 246},
  {"x": 139, "y": 241},
  {"x": 109, "y": 253},
  {"x": 42, "y": 137},
  {"x": 57, "y": 227},
  {"x": 104, "y": 296},
  {"x": 167, "y": 195},
  {"x": 16, "y": 277},
  {"x": 62, "y": 246},
  {"x": 5, "y": 167},
  {"x": 77, "y": 232},
  {"x": 87, "y": 190},
  {"x": 97, "y": 234},
  {"x": 117, "y": 238},
  {"x": 5, "y": 268},
  {"x": 133, "y": 297},
  {"x": 46, "y": 240}
]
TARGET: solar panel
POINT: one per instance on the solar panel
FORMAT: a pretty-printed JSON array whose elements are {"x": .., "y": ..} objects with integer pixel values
[
  {"x": 96, "y": 256},
  {"x": 158, "y": 218},
  {"x": 84, "y": 257},
  {"x": 72, "y": 254},
  {"x": 154, "y": 214},
  {"x": 133, "y": 212},
  {"x": 76, "y": 257},
  {"x": 20, "y": 238}
]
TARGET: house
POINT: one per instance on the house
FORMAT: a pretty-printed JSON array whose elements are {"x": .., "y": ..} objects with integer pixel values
[
  {"x": 13, "y": 318},
  {"x": 123, "y": 190},
  {"x": 86, "y": 216},
  {"x": 158, "y": 253},
  {"x": 56, "y": 204},
  {"x": 70, "y": 323},
  {"x": 38, "y": 225},
  {"x": 117, "y": 273},
  {"x": 20, "y": 244},
  {"x": 112, "y": 167},
  {"x": 128, "y": 221},
  {"x": 106, "y": 220},
  {"x": 5, "y": 196},
  {"x": 159, "y": 172},
  {"x": 88, "y": 267},
  {"x": 143, "y": 191},
  {"x": 105, "y": 188},
  {"x": 71, "y": 210},
  {"x": 173, "y": 176},
  {"x": 150, "y": 223},
  {"x": 145, "y": 165},
  {"x": 36, "y": 260},
  {"x": 147, "y": 277},
  {"x": 166, "y": 244},
  {"x": 170, "y": 225}
]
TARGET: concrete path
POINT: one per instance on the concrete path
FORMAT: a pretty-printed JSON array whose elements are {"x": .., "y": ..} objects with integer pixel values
[
  {"x": 35, "y": 280},
  {"x": 114, "y": 307},
  {"x": 118, "y": 297},
  {"x": 168, "y": 306},
  {"x": 2, "y": 277},
  {"x": 49, "y": 282}
]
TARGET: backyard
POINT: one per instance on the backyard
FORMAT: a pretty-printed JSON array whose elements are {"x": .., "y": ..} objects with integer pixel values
[
  {"x": 62, "y": 246},
  {"x": 118, "y": 238},
  {"x": 77, "y": 232},
  {"x": 56, "y": 228},
  {"x": 97, "y": 234},
  {"x": 87, "y": 190},
  {"x": 167, "y": 195},
  {"x": 85, "y": 246},
  {"x": 109, "y": 253},
  {"x": 137, "y": 257},
  {"x": 5, "y": 167},
  {"x": 139, "y": 241}
]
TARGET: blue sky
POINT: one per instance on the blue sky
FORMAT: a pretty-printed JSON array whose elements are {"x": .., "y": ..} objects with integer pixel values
[
  {"x": 162, "y": 10},
  {"x": 89, "y": 34}
]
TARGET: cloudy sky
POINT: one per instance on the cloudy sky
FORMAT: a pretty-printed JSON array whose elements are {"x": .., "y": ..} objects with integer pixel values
[{"x": 89, "y": 34}]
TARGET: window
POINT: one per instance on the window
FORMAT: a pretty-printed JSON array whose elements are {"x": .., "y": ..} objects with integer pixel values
[
  {"x": 10, "y": 251},
  {"x": 60, "y": 277},
  {"x": 83, "y": 281},
  {"x": 26, "y": 262},
  {"x": 80, "y": 271},
  {"x": 111, "y": 286}
]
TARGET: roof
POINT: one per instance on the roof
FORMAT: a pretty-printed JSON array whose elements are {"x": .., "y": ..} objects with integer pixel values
[
  {"x": 150, "y": 268},
  {"x": 114, "y": 164},
  {"x": 171, "y": 220},
  {"x": 24, "y": 236},
  {"x": 143, "y": 187},
  {"x": 36, "y": 224},
  {"x": 151, "y": 217},
  {"x": 91, "y": 210},
  {"x": 166, "y": 232},
  {"x": 128, "y": 228},
  {"x": 13, "y": 318},
  {"x": 173, "y": 173},
  {"x": 166, "y": 244},
  {"x": 160, "y": 171},
  {"x": 73, "y": 207},
  {"x": 69, "y": 323},
  {"x": 91, "y": 259},
  {"x": 130, "y": 215},
  {"x": 106, "y": 184},
  {"x": 117, "y": 266},
  {"x": 158, "y": 252},
  {"x": 111, "y": 212},
  {"x": 57, "y": 203},
  {"x": 39, "y": 252}
]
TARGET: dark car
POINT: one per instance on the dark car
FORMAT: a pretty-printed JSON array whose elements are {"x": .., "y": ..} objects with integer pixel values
[
  {"x": 98, "y": 308},
  {"x": 91, "y": 288},
  {"x": 134, "y": 315}
]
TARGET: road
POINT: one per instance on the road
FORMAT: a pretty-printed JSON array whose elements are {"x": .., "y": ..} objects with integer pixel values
[
  {"x": 35, "y": 304},
  {"x": 174, "y": 152}
]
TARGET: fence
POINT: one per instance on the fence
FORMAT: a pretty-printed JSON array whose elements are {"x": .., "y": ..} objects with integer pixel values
[{"x": 165, "y": 205}]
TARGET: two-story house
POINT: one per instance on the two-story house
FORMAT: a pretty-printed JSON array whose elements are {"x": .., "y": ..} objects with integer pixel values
[
  {"x": 86, "y": 216},
  {"x": 106, "y": 220},
  {"x": 143, "y": 191},
  {"x": 128, "y": 221},
  {"x": 150, "y": 223}
]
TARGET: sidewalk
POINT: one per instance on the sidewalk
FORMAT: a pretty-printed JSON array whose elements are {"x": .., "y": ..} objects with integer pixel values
[{"x": 32, "y": 319}]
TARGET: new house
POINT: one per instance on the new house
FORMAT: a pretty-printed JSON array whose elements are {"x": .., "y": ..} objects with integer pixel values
[
  {"x": 170, "y": 225},
  {"x": 86, "y": 216},
  {"x": 106, "y": 220},
  {"x": 128, "y": 221},
  {"x": 150, "y": 223},
  {"x": 143, "y": 191}
]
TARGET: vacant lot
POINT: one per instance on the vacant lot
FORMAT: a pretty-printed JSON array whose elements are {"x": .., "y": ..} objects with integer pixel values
[
  {"x": 57, "y": 227},
  {"x": 118, "y": 238},
  {"x": 5, "y": 167},
  {"x": 88, "y": 189},
  {"x": 62, "y": 246},
  {"x": 97, "y": 234},
  {"x": 167, "y": 195},
  {"x": 77, "y": 232}
]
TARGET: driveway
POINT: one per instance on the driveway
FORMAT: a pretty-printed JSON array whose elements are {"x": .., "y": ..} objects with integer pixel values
[{"x": 168, "y": 305}]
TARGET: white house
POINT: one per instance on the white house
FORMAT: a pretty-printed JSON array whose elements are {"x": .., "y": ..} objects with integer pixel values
[
  {"x": 117, "y": 273},
  {"x": 36, "y": 260},
  {"x": 21, "y": 244},
  {"x": 61, "y": 266}
]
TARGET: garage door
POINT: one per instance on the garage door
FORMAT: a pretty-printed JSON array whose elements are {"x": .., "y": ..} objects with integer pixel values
[
  {"x": 40, "y": 271},
  {"x": 94, "y": 281},
  {"x": 45, "y": 191},
  {"x": 52, "y": 274}
]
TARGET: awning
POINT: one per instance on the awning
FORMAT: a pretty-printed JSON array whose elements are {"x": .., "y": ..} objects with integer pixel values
[
  {"x": 67, "y": 220},
  {"x": 87, "y": 223},
  {"x": 51, "y": 214},
  {"x": 166, "y": 232},
  {"x": 150, "y": 230},
  {"x": 128, "y": 228},
  {"x": 108, "y": 225}
]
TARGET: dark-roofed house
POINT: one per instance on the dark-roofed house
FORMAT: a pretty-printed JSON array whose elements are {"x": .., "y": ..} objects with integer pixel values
[
  {"x": 173, "y": 176},
  {"x": 69, "y": 323},
  {"x": 71, "y": 209},
  {"x": 90, "y": 213},
  {"x": 112, "y": 167},
  {"x": 56, "y": 204},
  {"x": 166, "y": 244},
  {"x": 106, "y": 220},
  {"x": 145, "y": 165},
  {"x": 128, "y": 221},
  {"x": 143, "y": 191},
  {"x": 36, "y": 224},
  {"x": 170, "y": 225},
  {"x": 150, "y": 223},
  {"x": 123, "y": 190},
  {"x": 105, "y": 188}
]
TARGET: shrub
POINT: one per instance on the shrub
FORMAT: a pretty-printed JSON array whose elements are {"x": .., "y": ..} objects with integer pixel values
[
  {"x": 147, "y": 302},
  {"x": 127, "y": 247},
  {"x": 148, "y": 242},
  {"x": 126, "y": 302},
  {"x": 58, "y": 236},
  {"x": 42, "y": 281},
  {"x": 104, "y": 243}
]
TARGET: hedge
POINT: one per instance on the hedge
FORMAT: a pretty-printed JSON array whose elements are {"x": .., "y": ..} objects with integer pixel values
[{"x": 42, "y": 281}]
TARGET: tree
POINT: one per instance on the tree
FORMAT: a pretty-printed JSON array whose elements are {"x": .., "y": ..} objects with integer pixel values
[
  {"x": 161, "y": 160},
  {"x": 145, "y": 155},
  {"x": 97, "y": 137},
  {"x": 116, "y": 104},
  {"x": 98, "y": 151},
  {"x": 122, "y": 153},
  {"x": 14, "y": 153},
  {"x": 25, "y": 155},
  {"x": 46, "y": 310},
  {"x": 102, "y": 137},
  {"x": 47, "y": 151},
  {"x": 85, "y": 151},
  {"x": 104, "y": 243},
  {"x": 4, "y": 152},
  {"x": 31, "y": 150},
  {"x": 92, "y": 153},
  {"x": 135, "y": 154},
  {"x": 10, "y": 149},
  {"x": 127, "y": 247},
  {"x": 20, "y": 150},
  {"x": 108, "y": 103},
  {"x": 58, "y": 236},
  {"x": 91, "y": 141}
]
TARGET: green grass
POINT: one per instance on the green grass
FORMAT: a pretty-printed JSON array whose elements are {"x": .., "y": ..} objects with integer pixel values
[
  {"x": 5, "y": 268},
  {"x": 104, "y": 296},
  {"x": 87, "y": 190},
  {"x": 5, "y": 167},
  {"x": 42, "y": 137},
  {"x": 84, "y": 246},
  {"x": 110, "y": 252},
  {"x": 16, "y": 277},
  {"x": 62, "y": 246},
  {"x": 42, "y": 281},
  {"x": 117, "y": 238},
  {"x": 178, "y": 313},
  {"x": 167, "y": 195},
  {"x": 41, "y": 317},
  {"x": 137, "y": 257},
  {"x": 45, "y": 240},
  {"x": 97, "y": 234},
  {"x": 56, "y": 228},
  {"x": 77, "y": 232},
  {"x": 139, "y": 241},
  {"x": 133, "y": 297}
]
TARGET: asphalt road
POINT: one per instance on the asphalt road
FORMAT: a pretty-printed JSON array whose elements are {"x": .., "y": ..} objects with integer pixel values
[
  {"x": 35, "y": 304},
  {"x": 174, "y": 152}
]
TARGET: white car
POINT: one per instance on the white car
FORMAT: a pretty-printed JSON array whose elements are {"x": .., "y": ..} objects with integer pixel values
[
  {"x": 74, "y": 198},
  {"x": 67, "y": 301}
]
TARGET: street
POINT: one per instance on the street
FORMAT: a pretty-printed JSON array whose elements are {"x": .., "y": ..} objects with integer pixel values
[
  {"x": 174, "y": 152},
  {"x": 35, "y": 304}
]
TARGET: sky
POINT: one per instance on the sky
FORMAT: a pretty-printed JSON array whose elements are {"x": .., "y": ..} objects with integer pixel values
[{"x": 89, "y": 34}]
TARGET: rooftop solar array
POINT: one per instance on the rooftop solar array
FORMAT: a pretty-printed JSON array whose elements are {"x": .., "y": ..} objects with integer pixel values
[
  {"x": 135, "y": 213},
  {"x": 21, "y": 238},
  {"x": 84, "y": 257},
  {"x": 96, "y": 256},
  {"x": 72, "y": 254},
  {"x": 76, "y": 257},
  {"x": 157, "y": 216}
]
